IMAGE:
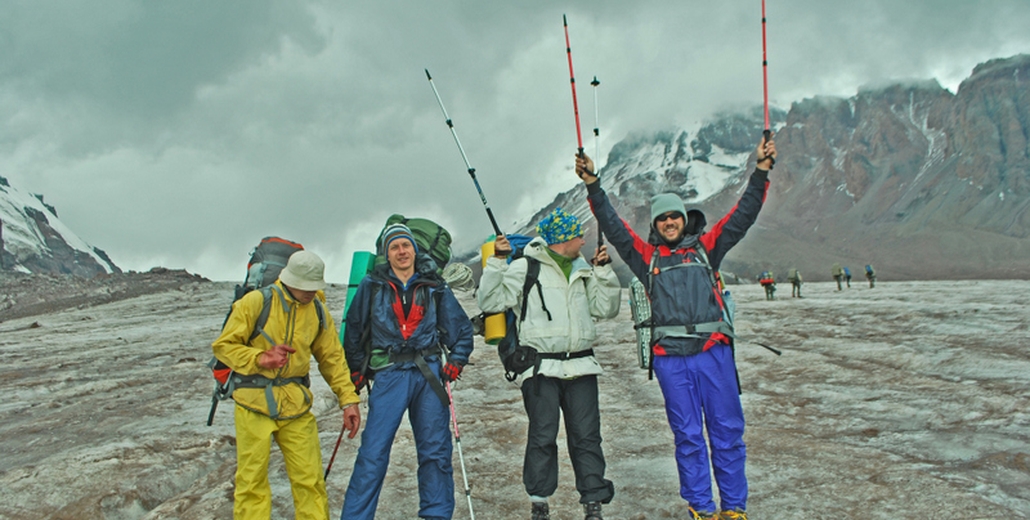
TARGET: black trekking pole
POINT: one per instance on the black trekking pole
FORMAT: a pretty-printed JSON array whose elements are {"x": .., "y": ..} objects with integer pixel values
[
  {"x": 597, "y": 129},
  {"x": 765, "y": 79},
  {"x": 461, "y": 456},
  {"x": 773, "y": 350},
  {"x": 597, "y": 149},
  {"x": 471, "y": 170}
]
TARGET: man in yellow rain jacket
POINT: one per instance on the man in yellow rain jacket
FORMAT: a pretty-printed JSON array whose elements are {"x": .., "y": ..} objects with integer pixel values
[{"x": 273, "y": 400}]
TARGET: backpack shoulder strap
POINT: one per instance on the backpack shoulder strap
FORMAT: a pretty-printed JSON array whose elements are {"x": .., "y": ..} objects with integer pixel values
[
  {"x": 366, "y": 334},
  {"x": 266, "y": 309},
  {"x": 712, "y": 275},
  {"x": 532, "y": 278}
]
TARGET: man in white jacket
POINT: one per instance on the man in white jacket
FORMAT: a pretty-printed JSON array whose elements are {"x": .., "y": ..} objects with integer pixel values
[{"x": 559, "y": 326}]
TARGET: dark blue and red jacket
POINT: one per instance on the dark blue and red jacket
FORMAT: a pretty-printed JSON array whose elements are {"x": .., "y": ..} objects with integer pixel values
[
  {"x": 401, "y": 318},
  {"x": 681, "y": 297}
]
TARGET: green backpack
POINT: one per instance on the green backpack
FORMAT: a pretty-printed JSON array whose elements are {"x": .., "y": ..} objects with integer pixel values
[{"x": 430, "y": 237}]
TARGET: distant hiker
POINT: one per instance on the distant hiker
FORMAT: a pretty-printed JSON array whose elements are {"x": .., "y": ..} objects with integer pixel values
[
  {"x": 838, "y": 275},
  {"x": 847, "y": 276},
  {"x": 692, "y": 341},
  {"x": 559, "y": 327},
  {"x": 768, "y": 283},
  {"x": 407, "y": 333},
  {"x": 273, "y": 401},
  {"x": 870, "y": 275},
  {"x": 794, "y": 277}
]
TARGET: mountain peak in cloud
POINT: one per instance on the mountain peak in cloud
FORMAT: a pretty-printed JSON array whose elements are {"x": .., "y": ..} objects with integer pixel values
[{"x": 34, "y": 240}]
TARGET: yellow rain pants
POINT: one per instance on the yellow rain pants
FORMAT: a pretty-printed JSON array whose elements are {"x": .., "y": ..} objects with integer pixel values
[{"x": 298, "y": 440}]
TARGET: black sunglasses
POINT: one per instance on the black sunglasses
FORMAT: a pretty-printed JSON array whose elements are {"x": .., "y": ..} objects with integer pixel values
[{"x": 666, "y": 216}]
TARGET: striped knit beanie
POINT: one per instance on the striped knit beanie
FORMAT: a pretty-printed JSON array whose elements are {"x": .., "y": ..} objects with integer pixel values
[{"x": 395, "y": 231}]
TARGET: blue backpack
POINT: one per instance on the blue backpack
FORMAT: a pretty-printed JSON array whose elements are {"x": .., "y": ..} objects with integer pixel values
[{"x": 517, "y": 358}]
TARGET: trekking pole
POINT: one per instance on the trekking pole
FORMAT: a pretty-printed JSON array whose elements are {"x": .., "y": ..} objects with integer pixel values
[
  {"x": 597, "y": 146},
  {"x": 773, "y": 350},
  {"x": 471, "y": 170},
  {"x": 597, "y": 129},
  {"x": 461, "y": 456},
  {"x": 331, "y": 459},
  {"x": 765, "y": 77},
  {"x": 572, "y": 81}
]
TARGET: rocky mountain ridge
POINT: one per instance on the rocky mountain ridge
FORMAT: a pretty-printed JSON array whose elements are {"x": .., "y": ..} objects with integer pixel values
[
  {"x": 34, "y": 240},
  {"x": 918, "y": 181}
]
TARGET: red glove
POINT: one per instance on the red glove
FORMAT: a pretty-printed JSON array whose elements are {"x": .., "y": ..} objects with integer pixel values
[
  {"x": 450, "y": 371},
  {"x": 359, "y": 381}
]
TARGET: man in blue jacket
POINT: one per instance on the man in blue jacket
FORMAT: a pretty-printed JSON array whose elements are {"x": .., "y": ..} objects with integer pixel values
[
  {"x": 405, "y": 329},
  {"x": 692, "y": 332}
]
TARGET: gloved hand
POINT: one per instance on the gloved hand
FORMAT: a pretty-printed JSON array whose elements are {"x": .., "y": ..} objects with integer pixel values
[
  {"x": 359, "y": 381},
  {"x": 451, "y": 371}
]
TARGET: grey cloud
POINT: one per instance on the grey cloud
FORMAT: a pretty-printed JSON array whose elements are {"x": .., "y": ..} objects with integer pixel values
[{"x": 215, "y": 123}]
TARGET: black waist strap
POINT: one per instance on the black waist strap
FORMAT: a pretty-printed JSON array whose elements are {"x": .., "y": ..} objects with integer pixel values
[
  {"x": 565, "y": 356},
  {"x": 419, "y": 358}
]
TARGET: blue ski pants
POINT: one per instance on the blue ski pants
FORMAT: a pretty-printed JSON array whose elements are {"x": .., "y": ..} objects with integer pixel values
[
  {"x": 394, "y": 392},
  {"x": 701, "y": 392}
]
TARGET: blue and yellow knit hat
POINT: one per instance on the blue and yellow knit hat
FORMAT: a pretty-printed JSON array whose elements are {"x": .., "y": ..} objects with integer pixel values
[{"x": 559, "y": 226}]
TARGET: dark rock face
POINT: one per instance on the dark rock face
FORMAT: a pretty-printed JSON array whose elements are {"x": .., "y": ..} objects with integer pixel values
[
  {"x": 911, "y": 178},
  {"x": 33, "y": 245}
]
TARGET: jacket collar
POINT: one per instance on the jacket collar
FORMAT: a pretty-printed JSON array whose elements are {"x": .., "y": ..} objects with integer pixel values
[{"x": 537, "y": 249}]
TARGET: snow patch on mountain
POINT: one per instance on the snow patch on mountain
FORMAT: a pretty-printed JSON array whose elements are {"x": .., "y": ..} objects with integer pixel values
[{"x": 31, "y": 231}]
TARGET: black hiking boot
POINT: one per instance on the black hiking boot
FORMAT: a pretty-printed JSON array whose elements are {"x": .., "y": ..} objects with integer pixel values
[
  {"x": 592, "y": 511},
  {"x": 540, "y": 511}
]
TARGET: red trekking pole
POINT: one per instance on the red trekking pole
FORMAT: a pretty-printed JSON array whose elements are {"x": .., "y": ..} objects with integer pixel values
[
  {"x": 572, "y": 80},
  {"x": 331, "y": 459}
]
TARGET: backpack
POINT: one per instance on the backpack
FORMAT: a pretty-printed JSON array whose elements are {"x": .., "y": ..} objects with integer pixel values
[
  {"x": 793, "y": 275},
  {"x": 766, "y": 278},
  {"x": 869, "y": 270},
  {"x": 431, "y": 238},
  {"x": 517, "y": 358},
  {"x": 726, "y": 304},
  {"x": 266, "y": 262}
]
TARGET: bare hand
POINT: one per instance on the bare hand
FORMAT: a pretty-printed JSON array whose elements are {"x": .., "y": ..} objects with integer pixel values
[
  {"x": 601, "y": 256},
  {"x": 766, "y": 153},
  {"x": 275, "y": 357},
  {"x": 352, "y": 420},
  {"x": 502, "y": 248},
  {"x": 585, "y": 168}
]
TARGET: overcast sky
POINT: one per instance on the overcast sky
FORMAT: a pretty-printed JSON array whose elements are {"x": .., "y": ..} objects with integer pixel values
[{"x": 178, "y": 133}]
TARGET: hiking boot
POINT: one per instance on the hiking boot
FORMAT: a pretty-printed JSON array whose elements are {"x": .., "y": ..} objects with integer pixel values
[
  {"x": 540, "y": 511},
  {"x": 736, "y": 514},
  {"x": 701, "y": 515},
  {"x": 592, "y": 510}
]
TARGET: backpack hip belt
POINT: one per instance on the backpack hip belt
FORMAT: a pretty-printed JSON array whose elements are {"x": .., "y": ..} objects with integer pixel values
[
  {"x": 693, "y": 331},
  {"x": 260, "y": 381},
  {"x": 419, "y": 358}
]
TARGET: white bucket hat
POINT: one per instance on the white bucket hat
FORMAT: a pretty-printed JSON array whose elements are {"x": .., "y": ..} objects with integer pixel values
[{"x": 305, "y": 271}]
